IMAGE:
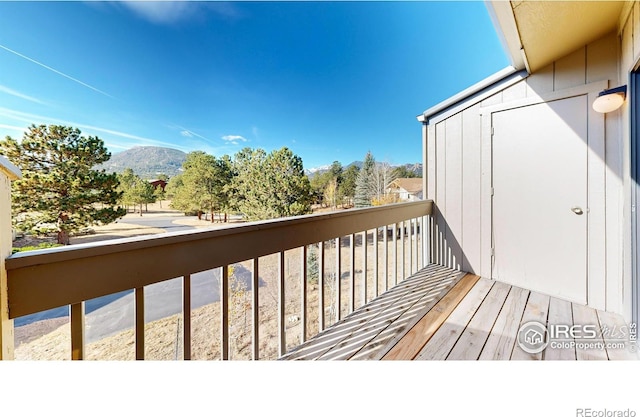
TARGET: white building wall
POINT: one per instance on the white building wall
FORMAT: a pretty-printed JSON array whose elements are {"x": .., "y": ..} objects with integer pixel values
[{"x": 456, "y": 161}]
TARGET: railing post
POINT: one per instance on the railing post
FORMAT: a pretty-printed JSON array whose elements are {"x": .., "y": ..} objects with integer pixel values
[{"x": 8, "y": 173}]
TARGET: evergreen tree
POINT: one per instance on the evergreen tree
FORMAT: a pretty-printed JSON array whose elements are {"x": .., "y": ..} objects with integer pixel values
[
  {"x": 270, "y": 185},
  {"x": 59, "y": 186},
  {"x": 203, "y": 186},
  {"x": 135, "y": 191},
  {"x": 363, "y": 189},
  {"x": 403, "y": 172},
  {"x": 325, "y": 186},
  {"x": 347, "y": 188}
]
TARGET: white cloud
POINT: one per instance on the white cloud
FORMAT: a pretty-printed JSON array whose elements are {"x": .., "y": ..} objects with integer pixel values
[
  {"x": 186, "y": 134},
  {"x": 234, "y": 139},
  {"x": 169, "y": 12},
  {"x": 18, "y": 94},
  {"x": 161, "y": 11},
  {"x": 11, "y": 127}
]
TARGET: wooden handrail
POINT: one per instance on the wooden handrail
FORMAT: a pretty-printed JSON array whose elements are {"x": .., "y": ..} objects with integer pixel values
[{"x": 49, "y": 278}]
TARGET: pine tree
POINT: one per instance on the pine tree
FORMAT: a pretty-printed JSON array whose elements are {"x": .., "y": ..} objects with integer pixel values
[
  {"x": 271, "y": 185},
  {"x": 59, "y": 186},
  {"x": 363, "y": 191},
  {"x": 203, "y": 186},
  {"x": 347, "y": 188}
]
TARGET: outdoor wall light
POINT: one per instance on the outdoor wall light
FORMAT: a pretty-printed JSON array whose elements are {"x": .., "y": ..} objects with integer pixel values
[{"x": 610, "y": 100}]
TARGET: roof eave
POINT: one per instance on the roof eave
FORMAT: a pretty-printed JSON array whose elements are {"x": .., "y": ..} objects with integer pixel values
[
  {"x": 10, "y": 170},
  {"x": 504, "y": 22},
  {"x": 471, "y": 91}
]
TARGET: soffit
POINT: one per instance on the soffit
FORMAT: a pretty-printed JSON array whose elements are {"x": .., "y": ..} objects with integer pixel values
[{"x": 549, "y": 30}]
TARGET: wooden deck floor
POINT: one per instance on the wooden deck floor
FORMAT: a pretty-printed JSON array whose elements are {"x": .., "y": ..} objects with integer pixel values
[{"x": 442, "y": 314}]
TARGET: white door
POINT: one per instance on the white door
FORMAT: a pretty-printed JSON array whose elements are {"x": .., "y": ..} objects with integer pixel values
[{"x": 540, "y": 197}]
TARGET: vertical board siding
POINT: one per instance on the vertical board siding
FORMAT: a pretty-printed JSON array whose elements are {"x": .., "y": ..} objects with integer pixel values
[
  {"x": 458, "y": 158},
  {"x": 570, "y": 71},
  {"x": 635, "y": 21},
  {"x": 515, "y": 92},
  {"x": 596, "y": 258},
  {"x": 602, "y": 59},
  {"x": 471, "y": 174},
  {"x": 486, "y": 236},
  {"x": 440, "y": 192},
  {"x": 453, "y": 184},
  {"x": 541, "y": 82}
]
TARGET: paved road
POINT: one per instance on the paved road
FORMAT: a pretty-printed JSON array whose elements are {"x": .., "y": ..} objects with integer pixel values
[
  {"x": 160, "y": 222},
  {"x": 113, "y": 313}
]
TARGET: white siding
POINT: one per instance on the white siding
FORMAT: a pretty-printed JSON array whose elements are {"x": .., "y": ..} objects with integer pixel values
[{"x": 458, "y": 168}]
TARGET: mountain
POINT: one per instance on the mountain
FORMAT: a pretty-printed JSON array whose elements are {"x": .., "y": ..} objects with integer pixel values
[{"x": 147, "y": 161}]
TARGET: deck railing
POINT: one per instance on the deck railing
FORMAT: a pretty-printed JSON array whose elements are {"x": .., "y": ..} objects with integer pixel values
[{"x": 69, "y": 276}]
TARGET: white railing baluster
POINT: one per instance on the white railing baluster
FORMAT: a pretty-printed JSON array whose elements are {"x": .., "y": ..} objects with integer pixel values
[
  {"x": 352, "y": 264},
  {"x": 255, "y": 309},
  {"x": 224, "y": 313},
  {"x": 303, "y": 295},
  {"x": 282, "y": 337},
  {"x": 77, "y": 331},
  {"x": 410, "y": 243},
  {"x": 321, "y": 286},
  {"x": 422, "y": 244},
  {"x": 139, "y": 323},
  {"x": 395, "y": 253},
  {"x": 186, "y": 317},
  {"x": 385, "y": 261},
  {"x": 364, "y": 267},
  {"x": 402, "y": 254},
  {"x": 375, "y": 261},
  {"x": 338, "y": 289}
]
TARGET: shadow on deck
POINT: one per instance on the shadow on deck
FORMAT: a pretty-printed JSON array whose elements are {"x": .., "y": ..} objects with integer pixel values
[{"x": 440, "y": 313}]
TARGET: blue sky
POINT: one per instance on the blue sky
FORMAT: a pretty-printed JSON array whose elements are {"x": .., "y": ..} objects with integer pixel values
[{"x": 329, "y": 80}]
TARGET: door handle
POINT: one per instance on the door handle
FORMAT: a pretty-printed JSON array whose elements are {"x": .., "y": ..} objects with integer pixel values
[{"x": 577, "y": 210}]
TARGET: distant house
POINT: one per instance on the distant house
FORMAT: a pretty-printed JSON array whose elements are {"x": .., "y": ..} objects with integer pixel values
[
  {"x": 155, "y": 183},
  {"x": 406, "y": 189}
]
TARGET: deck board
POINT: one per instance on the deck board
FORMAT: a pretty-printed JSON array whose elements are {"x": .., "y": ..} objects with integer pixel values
[
  {"x": 347, "y": 336},
  {"x": 502, "y": 339},
  {"x": 440, "y": 313},
  {"x": 615, "y": 330},
  {"x": 472, "y": 340},
  {"x": 397, "y": 321},
  {"x": 445, "y": 338},
  {"x": 536, "y": 310},
  {"x": 419, "y": 335},
  {"x": 560, "y": 313},
  {"x": 584, "y": 315}
]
